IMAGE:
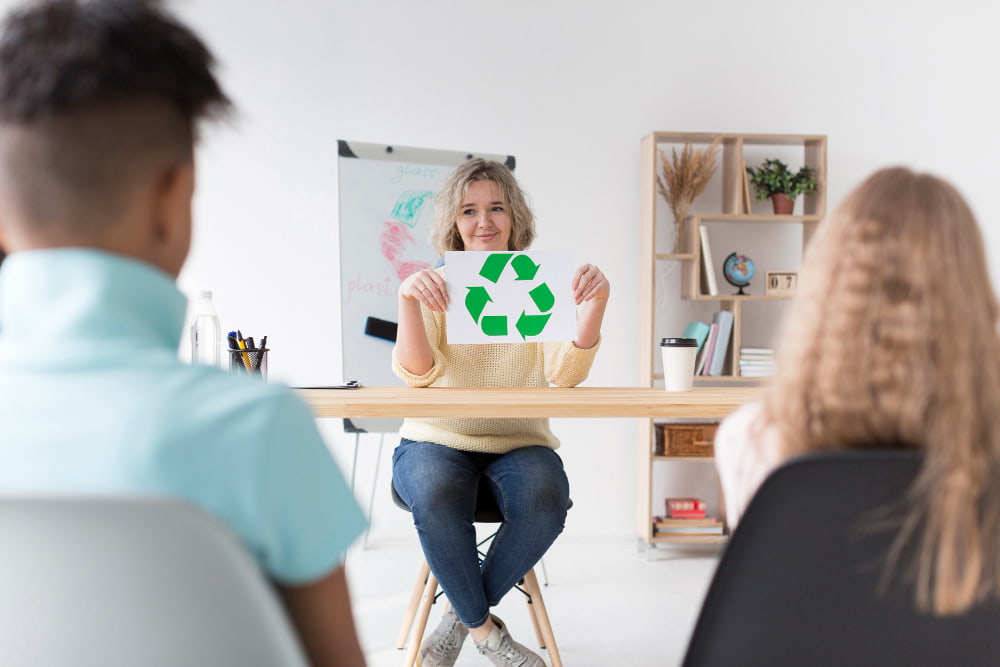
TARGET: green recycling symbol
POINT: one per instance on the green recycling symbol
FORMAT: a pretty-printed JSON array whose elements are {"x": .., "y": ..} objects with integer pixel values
[{"x": 498, "y": 325}]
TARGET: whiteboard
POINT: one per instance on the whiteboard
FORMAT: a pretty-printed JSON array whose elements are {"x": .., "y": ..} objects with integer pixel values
[{"x": 386, "y": 196}]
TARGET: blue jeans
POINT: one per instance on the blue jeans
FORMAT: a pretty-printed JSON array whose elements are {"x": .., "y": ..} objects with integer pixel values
[{"x": 440, "y": 485}]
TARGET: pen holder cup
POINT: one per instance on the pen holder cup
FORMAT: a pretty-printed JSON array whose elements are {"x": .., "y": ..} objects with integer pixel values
[{"x": 248, "y": 362}]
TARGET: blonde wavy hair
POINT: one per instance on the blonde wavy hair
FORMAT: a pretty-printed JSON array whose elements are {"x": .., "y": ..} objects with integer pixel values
[
  {"x": 444, "y": 233},
  {"x": 892, "y": 342}
]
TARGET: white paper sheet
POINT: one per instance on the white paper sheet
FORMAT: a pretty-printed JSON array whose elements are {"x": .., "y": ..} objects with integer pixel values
[{"x": 510, "y": 297}]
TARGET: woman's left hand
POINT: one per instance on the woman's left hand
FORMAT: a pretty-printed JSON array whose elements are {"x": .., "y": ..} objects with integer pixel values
[{"x": 589, "y": 284}]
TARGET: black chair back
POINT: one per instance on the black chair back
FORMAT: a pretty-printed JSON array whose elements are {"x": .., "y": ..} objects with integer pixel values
[{"x": 799, "y": 581}]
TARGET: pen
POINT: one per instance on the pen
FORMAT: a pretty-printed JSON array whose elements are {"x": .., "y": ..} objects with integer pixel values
[
  {"x": 243, "y": 346},
  {"x": 260, "y": 354}
]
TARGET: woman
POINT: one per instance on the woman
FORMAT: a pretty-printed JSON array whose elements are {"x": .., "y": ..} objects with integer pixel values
[
  {"x": 441, "y": 463},
  {"x": 892, "y": 342}
]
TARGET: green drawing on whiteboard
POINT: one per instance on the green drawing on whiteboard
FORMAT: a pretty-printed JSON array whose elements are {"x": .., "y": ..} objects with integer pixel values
[
  {"x": 477, "y": 298},
  {"x": 409, "y": 206}
]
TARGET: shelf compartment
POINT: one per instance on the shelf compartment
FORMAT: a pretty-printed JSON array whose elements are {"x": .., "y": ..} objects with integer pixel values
[
  {"x": 702, "y": 380},
  {"x": 660, "y": 457},
  {"x": 705, "y": 380},
  {"x": 693, "y": 282},
  {"x": 688, "y": 539},
  {"x": 750, "y": 217},
  {"x": 738, "y": 297}
]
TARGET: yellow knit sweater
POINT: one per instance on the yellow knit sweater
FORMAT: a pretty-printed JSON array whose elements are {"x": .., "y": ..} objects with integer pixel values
[{"x": 491, "y": 365}]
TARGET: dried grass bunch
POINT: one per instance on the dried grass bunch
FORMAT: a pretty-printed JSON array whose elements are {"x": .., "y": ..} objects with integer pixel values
[{"x": 683, "y": 178}]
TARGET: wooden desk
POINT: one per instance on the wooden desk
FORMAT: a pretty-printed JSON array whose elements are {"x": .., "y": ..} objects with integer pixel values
[
  {"x": 701, "y": 403},
  {"x": 643, "y": 402}
]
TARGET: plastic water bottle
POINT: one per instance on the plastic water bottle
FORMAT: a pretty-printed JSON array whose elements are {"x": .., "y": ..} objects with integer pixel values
[{"x": 206, "y": 332}]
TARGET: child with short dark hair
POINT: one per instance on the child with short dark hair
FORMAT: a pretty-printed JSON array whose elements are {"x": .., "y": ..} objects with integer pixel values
[{"x": 99, "y": 105}]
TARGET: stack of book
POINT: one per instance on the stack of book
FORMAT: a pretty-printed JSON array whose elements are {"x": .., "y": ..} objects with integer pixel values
[
  {"x": 756, "y": 361},
  {"x": 686, "y": 518},
  {"x": 713, "y": 342},
  {"x": 667, "y": 527}
]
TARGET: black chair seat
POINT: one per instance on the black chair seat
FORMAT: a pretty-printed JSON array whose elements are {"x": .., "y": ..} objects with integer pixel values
[{"x": 487, "y": 510}]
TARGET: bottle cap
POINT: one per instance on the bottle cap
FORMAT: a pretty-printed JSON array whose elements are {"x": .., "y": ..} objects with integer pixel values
[{"x": 678, "y": 342}]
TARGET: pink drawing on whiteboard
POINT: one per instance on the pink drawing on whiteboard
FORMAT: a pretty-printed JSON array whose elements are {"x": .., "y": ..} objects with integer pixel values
[{"x": 395, "y": 239}]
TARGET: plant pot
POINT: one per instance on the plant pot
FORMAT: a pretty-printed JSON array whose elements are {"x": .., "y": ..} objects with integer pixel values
[{"x": 782, "y": 204}]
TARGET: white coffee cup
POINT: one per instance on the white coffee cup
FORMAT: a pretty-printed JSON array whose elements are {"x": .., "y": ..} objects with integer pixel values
[{"x": 678, "y": 363}]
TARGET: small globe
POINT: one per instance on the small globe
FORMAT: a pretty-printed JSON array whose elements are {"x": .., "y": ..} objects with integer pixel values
[{"x": 738, "y": 270}]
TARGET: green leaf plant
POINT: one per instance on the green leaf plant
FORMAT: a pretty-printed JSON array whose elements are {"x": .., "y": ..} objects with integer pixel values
[{"x": 773, "y": 176}]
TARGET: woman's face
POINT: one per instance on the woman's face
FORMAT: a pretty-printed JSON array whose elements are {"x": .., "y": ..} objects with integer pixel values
[{"x": 484, "y": 221}]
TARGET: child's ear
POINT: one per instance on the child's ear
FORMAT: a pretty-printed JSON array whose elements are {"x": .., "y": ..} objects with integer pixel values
[
  {"x": 173, "y": 215},
  {"x": 173, "y": 198},
  {"x": 4, "y": 248}
]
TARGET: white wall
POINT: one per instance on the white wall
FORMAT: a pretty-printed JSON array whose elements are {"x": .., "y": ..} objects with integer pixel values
[{"x": 569, "y": 88}]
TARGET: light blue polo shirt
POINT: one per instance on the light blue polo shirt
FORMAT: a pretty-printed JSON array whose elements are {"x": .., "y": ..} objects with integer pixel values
[{"x": 94, "y": 399}]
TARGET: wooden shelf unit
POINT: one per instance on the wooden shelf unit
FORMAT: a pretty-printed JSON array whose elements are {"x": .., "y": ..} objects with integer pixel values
[{"x": 732, "y": 210}]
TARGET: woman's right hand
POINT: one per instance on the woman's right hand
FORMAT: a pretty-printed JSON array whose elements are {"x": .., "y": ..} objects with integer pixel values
[{"x": 426, "y": 287}]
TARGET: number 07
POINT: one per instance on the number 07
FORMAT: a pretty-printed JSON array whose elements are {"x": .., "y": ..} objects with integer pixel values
[{"x": 782, "y": 283}]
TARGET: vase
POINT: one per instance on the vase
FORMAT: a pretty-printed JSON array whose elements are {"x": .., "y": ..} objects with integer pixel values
[
  {"x": 680, "y": 230},
  {"x": 782, "y": 204}
]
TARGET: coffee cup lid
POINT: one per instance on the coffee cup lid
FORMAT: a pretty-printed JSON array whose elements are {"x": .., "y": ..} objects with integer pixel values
[{"x": 678, "y": 342}]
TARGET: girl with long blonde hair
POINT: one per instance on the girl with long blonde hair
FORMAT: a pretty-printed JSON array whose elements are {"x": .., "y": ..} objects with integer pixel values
[{"x": 892, "y": 342}]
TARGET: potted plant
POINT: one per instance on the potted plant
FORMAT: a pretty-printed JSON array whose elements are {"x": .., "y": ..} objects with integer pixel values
[{"x": 773, "y": 179}]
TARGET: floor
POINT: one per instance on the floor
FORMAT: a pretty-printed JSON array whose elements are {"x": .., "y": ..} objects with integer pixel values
[{"x": 610, "y": 603}]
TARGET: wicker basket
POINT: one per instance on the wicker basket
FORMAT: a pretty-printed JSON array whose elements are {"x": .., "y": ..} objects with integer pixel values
[{"x": 686, "y": 439}]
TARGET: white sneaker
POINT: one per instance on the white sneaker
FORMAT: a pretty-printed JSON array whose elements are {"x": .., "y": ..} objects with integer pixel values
[
  {"x": 443, "y": 646},
  {"x": 504, "y": 651}
]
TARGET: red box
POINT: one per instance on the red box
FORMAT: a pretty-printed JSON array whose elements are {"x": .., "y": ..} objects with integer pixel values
[{"x": 685, "y": 508}]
